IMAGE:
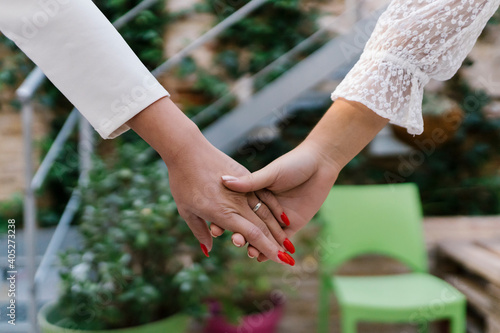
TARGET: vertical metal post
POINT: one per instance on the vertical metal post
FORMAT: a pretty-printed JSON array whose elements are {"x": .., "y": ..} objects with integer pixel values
[
  {"x": 29, "y": 211},
  {"x": 85, "y": 149},
  {"x": 352, "y": 10}
]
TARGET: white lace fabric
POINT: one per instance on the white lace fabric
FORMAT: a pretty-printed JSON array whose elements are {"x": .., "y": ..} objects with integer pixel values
[{"x": 413, "y": 41}]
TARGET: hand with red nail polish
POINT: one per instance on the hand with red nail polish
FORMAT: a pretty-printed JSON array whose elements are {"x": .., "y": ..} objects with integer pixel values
[
  {"x": 195, "y": 168},
  {"x": 285, "y": 219},
  {"x": 289, "y": 246},
  {"x": 286, "y": 258},
  {"x": 204, "y": 249},
  {"x": 301, "y": 179}
]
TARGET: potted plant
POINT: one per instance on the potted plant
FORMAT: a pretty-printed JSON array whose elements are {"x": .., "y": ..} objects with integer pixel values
[
  {"x": 136, "y": 269},
  {"x": 442, "y": 118},
  {"x": 244, "y": 299}
]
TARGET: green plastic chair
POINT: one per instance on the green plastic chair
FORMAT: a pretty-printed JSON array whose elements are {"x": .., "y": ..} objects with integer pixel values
[{"x": 386, "y": 220}]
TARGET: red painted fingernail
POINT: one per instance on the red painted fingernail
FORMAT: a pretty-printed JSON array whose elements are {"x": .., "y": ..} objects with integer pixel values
[
  {"x": 285, "y": 219},
  {"x": 204, "y": 249},
  {"x": 289, "y": 246},
  {"x": 283, "y": 257},
  {"x": 291, "y": 261}
]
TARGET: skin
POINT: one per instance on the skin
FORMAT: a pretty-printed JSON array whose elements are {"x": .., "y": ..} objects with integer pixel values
[
  {"x": 301, "y": 179},
  {"x": 195, "y": 169}
]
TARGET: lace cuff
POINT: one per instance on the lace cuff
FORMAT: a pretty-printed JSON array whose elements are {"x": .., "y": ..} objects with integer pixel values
[{"x": 390, "y": 87}]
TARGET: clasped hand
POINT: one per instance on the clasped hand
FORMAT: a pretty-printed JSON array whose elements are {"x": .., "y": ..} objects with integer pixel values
[{"x": 208, "y": 185}]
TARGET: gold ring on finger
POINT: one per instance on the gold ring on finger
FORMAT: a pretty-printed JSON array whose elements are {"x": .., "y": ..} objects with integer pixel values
[{"x": 257, "y": 206}]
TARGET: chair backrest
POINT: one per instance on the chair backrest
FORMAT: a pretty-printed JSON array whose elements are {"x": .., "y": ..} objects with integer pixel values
[{"x": 378, "y": 219}]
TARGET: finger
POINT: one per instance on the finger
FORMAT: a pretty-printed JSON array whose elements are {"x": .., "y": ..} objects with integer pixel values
[
  {"x": 256, "y": 233},
  {"x": 215, "y": 230},
  {"x": 268, "y": 198},
  {"x": 238, "y": 239},
  {"x": 256, "y": 181},
  {"x": 262, "y": 258},
  {"x": 282, "y": 256},
  {"x": 200, "y": 230},
  {"x": 263, "y": 212},
  {"x": 252, "y": 252}
]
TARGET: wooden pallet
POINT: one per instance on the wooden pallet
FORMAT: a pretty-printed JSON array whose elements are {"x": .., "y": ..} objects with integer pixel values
[{"x": 476, "y": 275}]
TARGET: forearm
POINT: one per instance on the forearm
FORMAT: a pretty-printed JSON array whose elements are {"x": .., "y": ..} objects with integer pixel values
[
  {"x": 167, "y": 129},
  {"x": 345, "y": 129}
]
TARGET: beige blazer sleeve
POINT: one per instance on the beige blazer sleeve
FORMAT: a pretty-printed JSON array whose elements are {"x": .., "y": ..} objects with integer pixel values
[{"x": 85, "y": 57}]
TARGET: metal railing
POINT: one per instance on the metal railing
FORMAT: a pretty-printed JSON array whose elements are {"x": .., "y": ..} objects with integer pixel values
[
  {"x": 213, "y": 109},
  {"x": 33, "y": 181}
]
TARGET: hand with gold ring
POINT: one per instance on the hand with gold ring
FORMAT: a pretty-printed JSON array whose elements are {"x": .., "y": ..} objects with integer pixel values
[
  {"x": 264, "y": 213},
  {"x": 260, "y": 202}
]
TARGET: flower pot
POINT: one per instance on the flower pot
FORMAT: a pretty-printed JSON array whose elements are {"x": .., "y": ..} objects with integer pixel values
[
  {"x": 264, "y": 322},
  {"x": 438, "y": 128},
  {"x": 48, "y": 315}
]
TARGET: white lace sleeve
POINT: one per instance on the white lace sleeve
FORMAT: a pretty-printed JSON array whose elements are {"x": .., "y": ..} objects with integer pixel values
[{"x": 413, "y": 41}]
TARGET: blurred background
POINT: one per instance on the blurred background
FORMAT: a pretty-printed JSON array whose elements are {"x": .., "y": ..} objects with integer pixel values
[{"x": 256, "y": 76}]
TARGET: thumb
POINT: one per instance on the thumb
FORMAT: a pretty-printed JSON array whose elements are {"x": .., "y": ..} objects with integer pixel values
[{"x": 250, "y": 183}]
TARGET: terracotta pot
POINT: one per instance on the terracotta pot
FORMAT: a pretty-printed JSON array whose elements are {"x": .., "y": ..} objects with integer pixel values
[
  {"x": 439, "y": 128},
  {"x": 264, "y": 322}
]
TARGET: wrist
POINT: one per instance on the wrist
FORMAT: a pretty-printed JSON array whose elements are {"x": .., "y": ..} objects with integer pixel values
[
  {"x": 167, "y": 129},
  {"x": 345, "y": 129},
  {"x": 325, "y": 157}
]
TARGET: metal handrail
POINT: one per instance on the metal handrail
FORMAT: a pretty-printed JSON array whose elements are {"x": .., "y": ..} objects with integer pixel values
[
  {"x": 54, "y": 150},
  {"x": 211, "y": 110},
  {"x": 25, "y": 95},
  {"x": 30, "y": 85},
  {"x": 58, "y": 236},
  {"x": 209, "y": 35},
  {"x": 132, "y": 14},
  {"x": 335, "y": 55}
]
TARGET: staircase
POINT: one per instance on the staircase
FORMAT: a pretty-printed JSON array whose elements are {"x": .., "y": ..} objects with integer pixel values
[{"x": 227, "y": 132}]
